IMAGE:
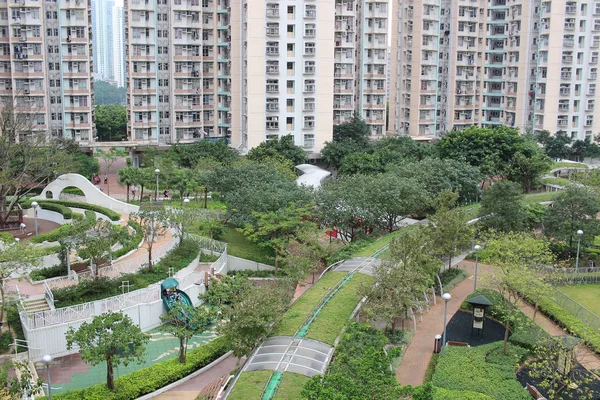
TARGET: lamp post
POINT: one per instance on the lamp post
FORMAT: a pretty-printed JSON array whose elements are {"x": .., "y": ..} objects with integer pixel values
[
  {"x": 47, "y": 359},
  {"x": 580, "y": 234},
  {"x": 447, "y": 297},
  {"x": 157, "y": 172},
  {"x": 186, "y": 201},
  {"x": 477, "y": 248},
  {"x": 35, "y": 206}
]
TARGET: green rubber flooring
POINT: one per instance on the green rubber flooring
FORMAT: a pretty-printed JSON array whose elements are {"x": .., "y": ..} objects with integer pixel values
[{"x": 162, "y": 346}]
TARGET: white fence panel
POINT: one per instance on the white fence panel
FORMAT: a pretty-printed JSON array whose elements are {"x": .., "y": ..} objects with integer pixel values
[{"x": 240, "y": 264}]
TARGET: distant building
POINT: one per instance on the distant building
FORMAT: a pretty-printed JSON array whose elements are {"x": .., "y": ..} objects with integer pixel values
[{"x": 108, "y": 36}]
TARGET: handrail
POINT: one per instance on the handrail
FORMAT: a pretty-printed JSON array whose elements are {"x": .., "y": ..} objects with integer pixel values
[{"x": 49, "y": 295}]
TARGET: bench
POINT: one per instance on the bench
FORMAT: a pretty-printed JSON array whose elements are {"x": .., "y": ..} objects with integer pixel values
[
  {"x": 535, "y": 393},
  {"x": 458, "y": 344}
]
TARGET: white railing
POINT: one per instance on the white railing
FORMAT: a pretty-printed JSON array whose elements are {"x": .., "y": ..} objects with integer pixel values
[
  {"x": 208, "y": 244},
  {"x": 49, "y": 295}
]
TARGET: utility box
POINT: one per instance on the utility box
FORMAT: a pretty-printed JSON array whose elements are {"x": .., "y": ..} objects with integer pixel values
[{"x": 437, "y": 345}]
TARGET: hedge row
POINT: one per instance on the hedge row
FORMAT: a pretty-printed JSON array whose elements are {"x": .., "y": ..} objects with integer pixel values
[
  {"x": 450, "y": 278},
  {"x": 66, "y": 230},
  {"x": 150, "y": 379},
  {"x": 114, "y": 216},
  {"x": 483, "y": 369},
  {"x": 133, "y": 240}
]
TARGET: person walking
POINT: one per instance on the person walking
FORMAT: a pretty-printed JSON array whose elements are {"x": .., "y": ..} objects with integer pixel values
[
  {"x": 23, "y": 228},
  {"x": 133, "y": 189},
  {"x": 105, "y": 179}
]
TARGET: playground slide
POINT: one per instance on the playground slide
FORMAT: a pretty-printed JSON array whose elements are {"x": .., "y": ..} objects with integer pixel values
[{"x": 183, "y": 297}]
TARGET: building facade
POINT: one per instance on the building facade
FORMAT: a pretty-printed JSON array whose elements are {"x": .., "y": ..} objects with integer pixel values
[
  {"x": 488, "y": 62},
  {"x": 108, "y": 36},
  {"x": 45, "y": 65},
  {"x": 252, "y": 70}
]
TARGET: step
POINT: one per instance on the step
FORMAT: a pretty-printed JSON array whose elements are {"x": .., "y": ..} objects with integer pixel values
[{"x": 36, "y": 305}]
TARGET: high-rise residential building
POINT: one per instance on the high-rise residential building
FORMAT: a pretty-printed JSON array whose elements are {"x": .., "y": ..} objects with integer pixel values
[
  {"x": 489, "y": 62},
  {"x": 45, "y": 65},
  {"x": 118, "y": 53},
  {"x": 253, "y": 70},
  {"x": 108, "y": 36}
]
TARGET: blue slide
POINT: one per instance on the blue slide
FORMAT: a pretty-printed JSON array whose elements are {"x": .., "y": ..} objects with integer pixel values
[{"x": 171, "y": 295}]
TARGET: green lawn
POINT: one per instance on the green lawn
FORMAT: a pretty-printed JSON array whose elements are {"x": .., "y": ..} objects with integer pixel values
[
  {"x": 556, "y": 181},
  {"x": 290, "y": 386},
  {"x": 335, "y": 314},
  {"x": 250, "y": 385},
  {"x": 587, "y": 295},
  {"x": 381, "y": 242},
  {"x": 238, "y": 245},
  {"x": 299, "y": 311}
]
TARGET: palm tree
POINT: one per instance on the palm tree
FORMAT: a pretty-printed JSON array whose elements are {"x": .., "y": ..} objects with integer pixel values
[{"x": 126, "y": 177}]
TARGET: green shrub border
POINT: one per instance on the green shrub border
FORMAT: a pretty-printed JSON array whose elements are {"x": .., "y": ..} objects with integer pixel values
[
  {"x": 114, "y": 216},
  {"x": 65, "y": 230},
  {"x": 150, "y": 379}
]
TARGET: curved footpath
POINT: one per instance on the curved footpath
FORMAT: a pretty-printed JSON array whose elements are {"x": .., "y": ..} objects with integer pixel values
[{"x": 417, "y": 356}]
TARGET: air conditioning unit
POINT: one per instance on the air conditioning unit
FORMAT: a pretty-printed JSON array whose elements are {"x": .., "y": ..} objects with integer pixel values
[{"x": 23, "y": 38}]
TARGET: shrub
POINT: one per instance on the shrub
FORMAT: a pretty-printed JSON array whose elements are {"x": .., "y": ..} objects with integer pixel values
[
  {"x": 6, "y": 238},
  {"x": 132, "y": 240},
  {"x": 114, "y": 216},
  {"x": 101, "y": 288},
  {"x": 66, "y": 230},
  {"x": 150, "y": 379},
  {"x": 14, "y": 321},
  {"x": 483, "y": 369},
  {"x": 257, "y": 274},
  {"x": 450, "y": 278},
  {"x": 445, "y": 394},
  {"x": 5, "y": 341},
  {"x": 48, "y": 272}
]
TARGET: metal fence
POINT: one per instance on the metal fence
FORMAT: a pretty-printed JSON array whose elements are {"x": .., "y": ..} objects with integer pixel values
[{"x": 576, "y": 309}]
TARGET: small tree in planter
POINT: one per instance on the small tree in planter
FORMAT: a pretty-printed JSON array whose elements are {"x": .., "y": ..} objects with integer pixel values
[
  {"x": 153, "y": 228},
  {"x": 112, "y": 338},
  {"x": 185, "y": 321}
]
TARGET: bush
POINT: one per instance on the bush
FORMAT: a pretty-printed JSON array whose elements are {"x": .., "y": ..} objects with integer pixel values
[
  {"x": 6, "y": 238},
  {"x": 49, "y": 272},
  {"x": 101, "y": 288},
  {"x": 150, "y": 379},
  {"x": 483, "y": 369},
  {"x": 257, "y": 274},
  {"x": 14, "y": 321},
  {"x": 66, "y": 230},
  {"x": 450, "y": 278},
  {"x": 6, "y": 340},
  {"x": 132, "y": 242},
  {"x": 114, "y": 216},
  {"x": 445, "y": 394}
]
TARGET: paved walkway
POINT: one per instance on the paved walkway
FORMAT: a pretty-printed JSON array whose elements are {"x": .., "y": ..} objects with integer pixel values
[{"x": 419, "y": 352}]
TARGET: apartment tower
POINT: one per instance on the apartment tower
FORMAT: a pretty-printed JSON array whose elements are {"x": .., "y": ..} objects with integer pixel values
[
  {"x": 253, "y": 70},
  {"x": 490, "y": 62},
  {"x": 45, "y": 65}
]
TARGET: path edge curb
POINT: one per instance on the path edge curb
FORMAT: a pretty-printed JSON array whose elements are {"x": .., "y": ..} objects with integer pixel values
[{"x": 185, "y": 378}]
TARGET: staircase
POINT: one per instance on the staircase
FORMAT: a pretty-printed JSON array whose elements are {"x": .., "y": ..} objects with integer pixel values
[{"x": 35, "y": 305}]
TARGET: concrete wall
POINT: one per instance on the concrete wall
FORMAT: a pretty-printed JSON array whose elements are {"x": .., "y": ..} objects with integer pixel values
[{"x": 240, "y": 264}]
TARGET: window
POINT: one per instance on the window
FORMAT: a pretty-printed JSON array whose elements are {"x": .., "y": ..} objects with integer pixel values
[
  {"x": 594, "y": 58},
  {"x": 592, "y": 89},
  {"x": 272, "y": 104},
  {"x": 163, "y": 50},
  {"x": 272, "y": 123},
  {"x": 309, "y": 49},
  {"x": 272, "y": 10},
  {"x": 590, "y": 105},
  {"x": 272, "y": 29},
  {"x": 309, "y": 104},
  {"x": 272, "y": 67},
  {"x": 273, "y": 48},
  {"x": 272, "y": 86},
  {"x": 309, "y": 122},
  {"x": 309, "y": 67},
  {"x": 589, "y": 120},
  {"x": 310, "y": 30},
  {"x": 310, "y": 11},
  {"x": 309, "y": 86}
]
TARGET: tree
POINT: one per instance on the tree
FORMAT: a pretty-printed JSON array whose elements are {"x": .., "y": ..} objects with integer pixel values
[
  {"x": 22, "y": 387},
  {"x": 109, "y": 157},
  {"x": 355, "y": 130},
  {"x": 153, "y": 228},
  {"x": 557, "y": 146},
  {"x": 224, "y": 291},
  {"x": 247, "y": 320},
  {"x": 184, "y": 181},
  {"x": 363, "y": 163},
  {"x": 105, "y": 93},
  {"x": 575, "y": 208},
  {"x": 86, "y": 165},
  {"x": 111, "y": 122},
  {"x": 283, "y": 146},
  {"x": 413, "y": 249},
  {"x": 489, "y": 149},
  {"x": 127, "y": 176},
  {"x": 393, "y": 294},
  {"x": 28, "y": 158},
  {"x": 449, "y": 229},
  {"x": 180, "y": 219},
  {"x": 308, "y": 252},
  {"x": 528, "y": 165},
  {"x": 438, "y": 175},
  {"x": 15, "y": 257},
  {"x": 554, "y": 366},
  {"x": 185, "y": 321},
  {"x": 335, "y": 152},
  {"x": 189, "y": 155},
  {"x": 394, "y": 198},
  {"x": 143, "y": 177},
  {"x": 274, "y": 229},
  {"x": 110, "y": 337},
  {"x": 213, "y": 226},
  {"x": 501, "y": 208},
  {"x": 95, "y": 243},
  {"x": 516, "y": 258}
]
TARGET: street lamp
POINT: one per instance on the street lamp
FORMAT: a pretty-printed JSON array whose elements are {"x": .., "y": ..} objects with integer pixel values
[
  {"x": 47, "y": 359},
  {"x": 477, "y": 248},
  {"x": 157, "y": 172},
  {"x": 580, "y": 234},
  {"x": 447, "y": 297},
  {"x": 35, "y": 206},
  {"x": 186, "y": 201}
]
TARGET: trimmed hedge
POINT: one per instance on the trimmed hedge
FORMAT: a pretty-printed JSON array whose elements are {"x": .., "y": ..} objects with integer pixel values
[
  {"x": 132, "y": 242},
  {"x": 48, "y": 272},
  {"x": 66, "y": 230},
  {"x": 483, "y": 369},
  {"x": 150, "y": 379},
  {"x": 450, "y": 278},
  {"x": 114, "y": 216}
]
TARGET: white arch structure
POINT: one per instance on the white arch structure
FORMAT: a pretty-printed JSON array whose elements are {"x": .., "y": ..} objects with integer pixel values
[{"x": 92, "y": 193}]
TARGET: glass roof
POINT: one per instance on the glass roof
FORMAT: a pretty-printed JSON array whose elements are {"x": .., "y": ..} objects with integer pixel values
[{"x": 360, "y": 264}]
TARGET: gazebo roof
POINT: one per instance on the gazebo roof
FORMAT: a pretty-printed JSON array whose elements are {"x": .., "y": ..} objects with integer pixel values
[
  {"x": 479, "y": 301},
  {"x": 169, "y": 283}
]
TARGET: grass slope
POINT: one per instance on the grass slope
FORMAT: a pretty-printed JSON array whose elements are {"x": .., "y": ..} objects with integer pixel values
[
  {"x": 290, "y": 386},
  {"x": 238, "y": 245},
  {"x": 587, "y": 295},
  {"x": 336, "y": 313},
  {"x": 250, "y": 385},
  {"x": 295, "y": 316}
]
